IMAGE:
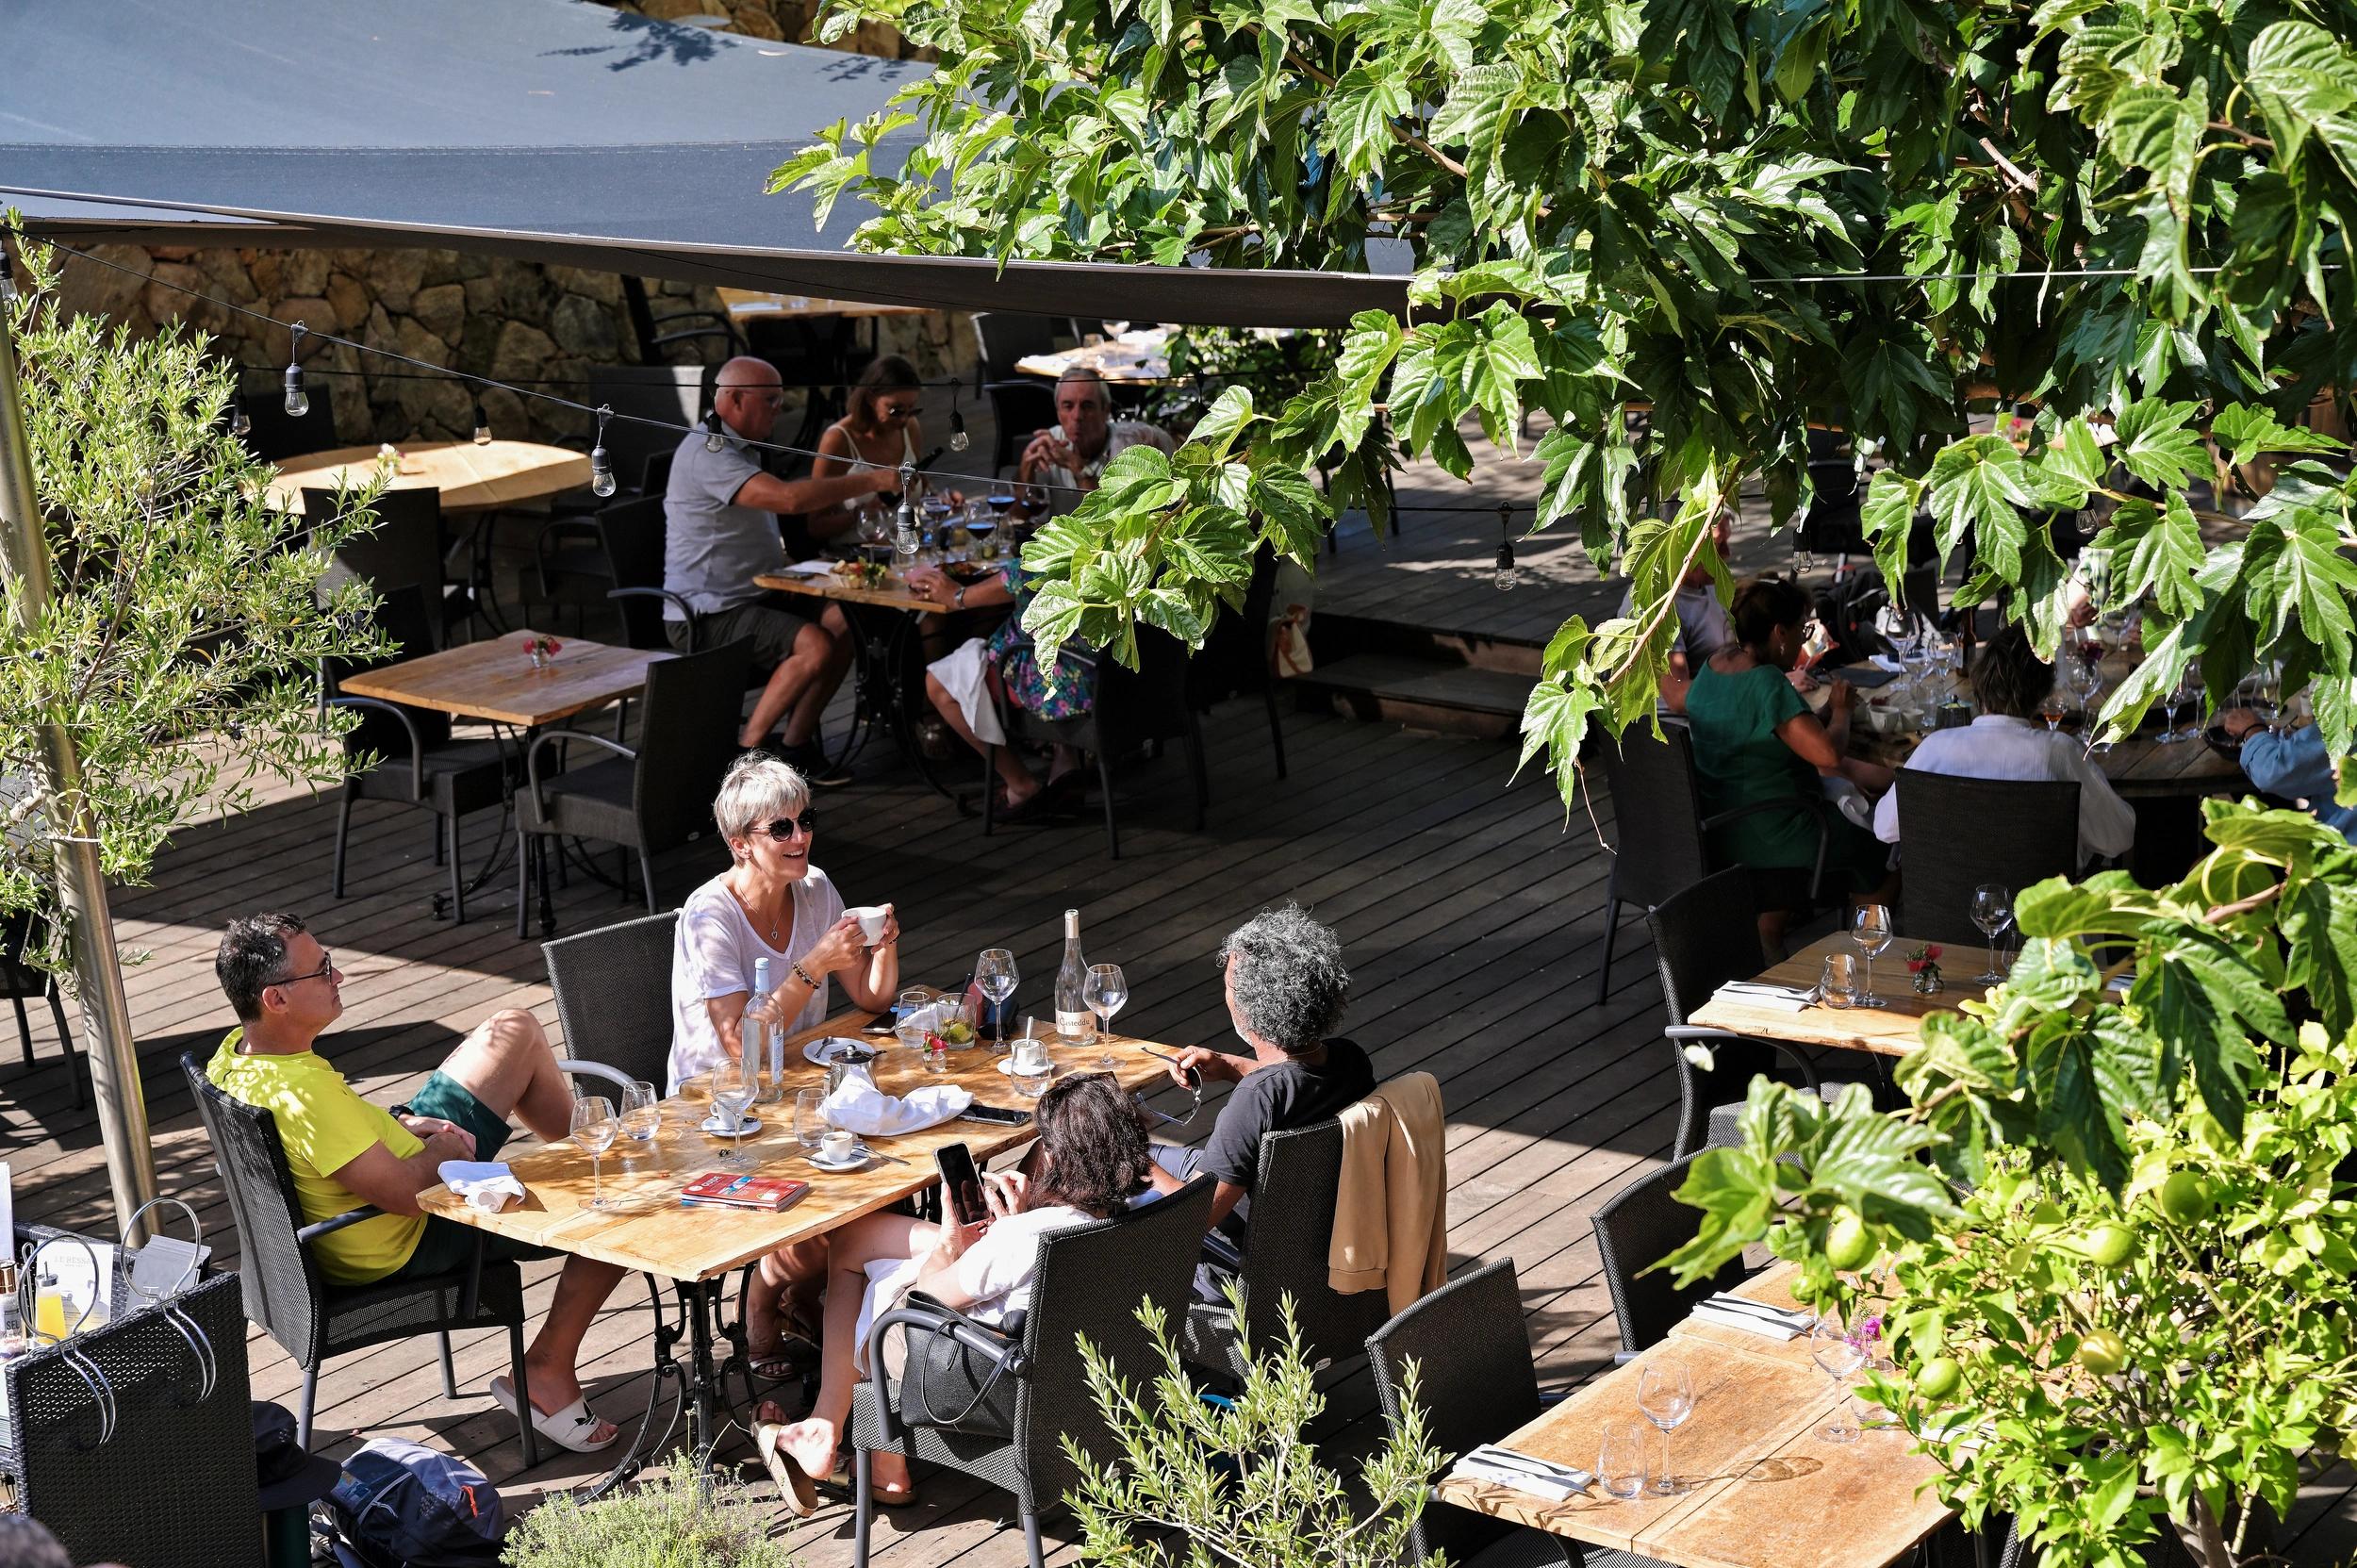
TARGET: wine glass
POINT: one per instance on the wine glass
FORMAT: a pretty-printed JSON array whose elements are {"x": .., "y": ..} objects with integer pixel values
[
  {"x": 1992, "y": 911},
  {"x": 642, "y": 1112},
  {"x": 1666, "y": 1394},
  {"x": 1870, "y": 928},
  {"x": 594, "y": 1129},
  {"x": 735, "y": 1086},
  {"x": 2053, "y": 710},
  {"x": 1837, "y": 1356},
  {"x": 996, "y": 973},
  {"x": 1104, "y": 991},
  {"x": 2187, "y": 689}
]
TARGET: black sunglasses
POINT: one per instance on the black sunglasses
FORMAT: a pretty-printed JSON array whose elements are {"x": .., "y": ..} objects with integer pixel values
[
  {"x": 327, "y": 966},
  {"x": 784, "y": 827}
]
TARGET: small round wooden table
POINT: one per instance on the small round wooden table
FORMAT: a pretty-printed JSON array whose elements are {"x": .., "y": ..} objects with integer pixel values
[{"x": 472, "y": 478}]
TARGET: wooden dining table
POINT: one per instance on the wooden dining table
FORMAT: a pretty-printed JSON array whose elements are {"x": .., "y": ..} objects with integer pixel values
[
  {"x": 753, "y": 304},
  {"x": 496, "y": 682},
  {"x": 1133, "y": 357},
  {"x": 1758, "y": 1487},
  {"x": 473, "y": 478},
  {"x": 1889, "y": 1029},
  {"x": 695, "y": 1249}
]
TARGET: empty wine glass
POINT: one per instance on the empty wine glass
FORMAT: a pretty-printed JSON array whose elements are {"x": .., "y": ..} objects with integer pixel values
[
  {"x": 1992, "y": 911},
  {"x": 1104, "y": 991},
  {"x": 1666, "y": 1394},
  {"x": 1621, "y": 1458},
  {"x": 594, "y": 1129},
  {"x": 1837, "y": 1356},
  {"x": 1870, "y": 928},
  {"x": 995, "y": 972},
  {"x": 642, "y": 1112},
  {"x": 2186, "y": 690},
  {"x": 735, "y": 1086}
]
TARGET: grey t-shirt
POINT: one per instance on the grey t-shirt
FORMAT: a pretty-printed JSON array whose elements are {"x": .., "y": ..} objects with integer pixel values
[
  {"x": 711, "y": 547},
  {"x": 1275, "y": 1099},
  {"x": 1702, "y": 628}
]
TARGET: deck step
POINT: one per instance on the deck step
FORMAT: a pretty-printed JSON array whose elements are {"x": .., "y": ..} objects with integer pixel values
[
  {"x": 1422, "y": 694},
  {"x": 1341, "y": 636}
]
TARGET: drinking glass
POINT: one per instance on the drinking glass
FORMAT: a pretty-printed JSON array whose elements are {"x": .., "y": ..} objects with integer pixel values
[
  {"x": 1104, "y": 991},
  {"x": 995, "y": 972},
  {"x": 1870, "y": 928},
  {"x": 2187, "y": 689},
  {"x": 735, "y": 1086},
  {"x": 1029, "y": 1068},
  {"x": 1837, "y": 1356},
  {"x": 2053, "y": 710},
  {"x": 594, "y": 1129},
  {"x": 1621, "y": 1458},
  {"x": 642, "y": 1112},
  {"x": 810, "y": 1118},
  {"x": 1992, "y": 911},
  {"x": 1666, "y": 1394},
  {"x": 1837, "y": 986}
]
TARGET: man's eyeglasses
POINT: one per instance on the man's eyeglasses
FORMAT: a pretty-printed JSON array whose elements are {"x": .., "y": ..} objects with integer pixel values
[
  {"x": 784, "y": 827},
  {"x": 327, "y": 967}
]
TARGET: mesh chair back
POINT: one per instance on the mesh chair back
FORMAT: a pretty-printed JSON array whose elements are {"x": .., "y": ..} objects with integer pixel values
[
  {"x": 632, "y": 535},
  {"x": 1637, "y": 1228},
  {"x": 1089, "y": 1284},
  {"x": 1291, "y": 1243},
  {"x": 1146, "y": 703},
  {"x": 676, "y": 394},
  {"x": 1703, "y": 935},
  {"x": 273, "y": 433},
  {"x": 614, "y": 994},
  {"x": 1470, "y": 1350},
  {"x": 1958, "y": 834},
  {"x": 1235, "y": 652},
  {"x": 403, "y": 551},
  {"x": 1657, "y": 815},
  {"x": 1007, "y": 336},
  {"x": 401, "y": 614},
  {"x": 686, "y": 742},
  {"x": 1016, "y": 409},
  {"x": 280, "y": 1281}
]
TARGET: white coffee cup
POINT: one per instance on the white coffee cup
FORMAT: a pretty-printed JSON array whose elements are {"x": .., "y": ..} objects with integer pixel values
[
  {"x": 871, "y": 921},
  {"x": 837, "y": 1145}
]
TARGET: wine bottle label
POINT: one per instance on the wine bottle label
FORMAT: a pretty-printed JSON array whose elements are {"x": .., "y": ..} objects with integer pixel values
[{"x": 1076, "y": 1026}]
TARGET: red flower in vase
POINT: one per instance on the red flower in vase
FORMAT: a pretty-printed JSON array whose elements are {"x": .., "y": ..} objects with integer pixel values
[{"x": 1924, "y": 957}]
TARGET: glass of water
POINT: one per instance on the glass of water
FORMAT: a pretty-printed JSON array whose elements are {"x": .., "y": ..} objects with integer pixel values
[
  {"x": 810, "y": 1118},
  {"x": 642, "y": 1112},
  {"x": 1837, "y": 986}
]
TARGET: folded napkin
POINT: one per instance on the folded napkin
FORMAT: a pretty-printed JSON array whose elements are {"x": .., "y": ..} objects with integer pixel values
[
  {"x": 1753, "y": 1317},
  {"x": 486, "y": 1184},
  {"x": 860, "y": 1107},
  {"x": 1521, "y": 1473},
  {"x": 1885, "y": 661},
  {"x": 934, "y": 1015},
  {"x": 1780, "y": 998},
  {"x": 808, "y": 569}
]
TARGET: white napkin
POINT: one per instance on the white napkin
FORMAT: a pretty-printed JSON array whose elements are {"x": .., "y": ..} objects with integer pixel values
[
  {"x": 486, "y": 1184},
  {"x": 934, "y": 1016},
  {"x": 1506, "y": 1472},
  {"x": 860, "y": 1107},
  {"x": 1884, "y": 661},
  {"x": 1778, "y": 998},
  {"x": 808, "y": 569},
  {"x": 1752, "y": 1317}
]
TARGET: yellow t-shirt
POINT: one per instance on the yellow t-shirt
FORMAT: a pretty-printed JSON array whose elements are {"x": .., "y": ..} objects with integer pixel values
[{"x": 324, "y": 1126}]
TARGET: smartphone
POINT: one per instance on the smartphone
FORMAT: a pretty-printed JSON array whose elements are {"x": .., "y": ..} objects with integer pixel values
[
  {"x": 960, "y": 1184},
  {"x": 996, "y": 1116}
]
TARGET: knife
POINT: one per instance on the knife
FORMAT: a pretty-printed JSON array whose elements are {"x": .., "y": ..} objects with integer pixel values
[
  {"x": 1547, "y": 1469},
  {"x": 1781, "y": 1316}
]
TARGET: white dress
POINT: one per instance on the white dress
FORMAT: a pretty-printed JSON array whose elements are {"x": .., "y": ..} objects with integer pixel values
[
  {"x": 996, "y": 1271},
  {"x": 713, "y": 956}
]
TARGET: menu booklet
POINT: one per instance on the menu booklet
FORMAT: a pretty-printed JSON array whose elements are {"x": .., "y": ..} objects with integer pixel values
[{"x": 720, "y": 1190}]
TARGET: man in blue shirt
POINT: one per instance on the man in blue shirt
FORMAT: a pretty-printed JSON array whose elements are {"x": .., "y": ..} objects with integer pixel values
[{"x": 2291, "y": 765}]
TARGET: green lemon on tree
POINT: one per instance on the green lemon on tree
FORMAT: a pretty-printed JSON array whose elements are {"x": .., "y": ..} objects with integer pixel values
[
  {"x": 2047, "y": 1213},
  {"x": 2103, "y": 1352},
  {"x": 1848, "y": 1246},
  {"x": 2109, "y": 1246},
  {"x": 1939, "y": 1378},
  {"x": 2185, "y": 1199}
]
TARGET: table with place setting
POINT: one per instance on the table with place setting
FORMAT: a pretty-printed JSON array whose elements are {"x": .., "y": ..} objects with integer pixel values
[
  {"x": 1785, "y": 1001},
  {"x": 646, "y": 1225}
]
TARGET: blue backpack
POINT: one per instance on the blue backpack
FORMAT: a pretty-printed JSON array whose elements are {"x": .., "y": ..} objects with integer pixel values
[{"x": 402, "y": 1504}]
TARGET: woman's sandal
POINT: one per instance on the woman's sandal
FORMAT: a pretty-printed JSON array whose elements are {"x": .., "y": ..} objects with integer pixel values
[{"x": 796, "y": 1489}]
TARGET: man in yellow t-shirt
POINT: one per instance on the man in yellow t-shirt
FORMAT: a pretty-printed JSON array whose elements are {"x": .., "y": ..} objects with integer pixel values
[{"x": 347, "y": 1154}]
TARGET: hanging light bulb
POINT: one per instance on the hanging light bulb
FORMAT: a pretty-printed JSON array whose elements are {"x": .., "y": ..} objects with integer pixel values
[
  {"x": 1803, "y": 559},
  {"x": 958, "y": 439},
  {"x": 238, "y": 422},
  {"x": 298, "y": 401},
  {"x": 481, "y": 425},
  {"x": 600, "y": 466},
  {"x": 905, "y": 519},
  {"x": 712, "y": 431},
  {"x": 1505, "y": 575}
]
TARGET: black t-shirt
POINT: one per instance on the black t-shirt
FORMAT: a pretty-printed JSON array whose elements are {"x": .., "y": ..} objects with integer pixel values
[{"x": 1275, "y": 1099}]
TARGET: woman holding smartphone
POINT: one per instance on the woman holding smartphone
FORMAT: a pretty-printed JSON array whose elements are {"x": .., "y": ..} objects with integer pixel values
[{"x": 1092, "y": 1160}]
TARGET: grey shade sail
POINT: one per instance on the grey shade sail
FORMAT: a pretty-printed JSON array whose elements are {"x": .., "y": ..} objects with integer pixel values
[{"x": 553, "y": 130}]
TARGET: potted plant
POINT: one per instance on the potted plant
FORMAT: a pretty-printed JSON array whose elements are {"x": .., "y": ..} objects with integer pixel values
[{"x": 2111, "y": 1236}]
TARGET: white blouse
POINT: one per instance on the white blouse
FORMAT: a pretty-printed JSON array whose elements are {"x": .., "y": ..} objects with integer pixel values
[{"x": 713, "y": 956}]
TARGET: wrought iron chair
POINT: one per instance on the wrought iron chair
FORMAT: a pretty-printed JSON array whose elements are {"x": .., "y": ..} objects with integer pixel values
[{"x": 1637, "y": 1228}]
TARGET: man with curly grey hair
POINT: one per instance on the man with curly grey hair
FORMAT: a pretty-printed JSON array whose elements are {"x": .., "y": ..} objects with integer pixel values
[{"x": 1286, "y": 990}]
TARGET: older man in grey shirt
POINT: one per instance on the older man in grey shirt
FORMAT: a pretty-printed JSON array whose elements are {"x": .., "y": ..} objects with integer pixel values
[{"x": 721, "y": 529}]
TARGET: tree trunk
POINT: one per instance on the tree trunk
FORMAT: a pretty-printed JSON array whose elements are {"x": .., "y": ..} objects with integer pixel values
[{"x": 2209, "y": 1540}]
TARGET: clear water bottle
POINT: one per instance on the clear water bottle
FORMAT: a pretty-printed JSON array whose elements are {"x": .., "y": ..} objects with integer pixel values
[
  {"x": 763, "y": 1043},
  {"x": 1074, "y": 1024}
]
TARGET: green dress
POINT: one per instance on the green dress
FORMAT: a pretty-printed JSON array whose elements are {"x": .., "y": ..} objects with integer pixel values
[{"x": 1738, "y": 761}]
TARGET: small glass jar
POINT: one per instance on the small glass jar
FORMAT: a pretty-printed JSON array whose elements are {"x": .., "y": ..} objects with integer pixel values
[{"x": 1837, "y": 985}]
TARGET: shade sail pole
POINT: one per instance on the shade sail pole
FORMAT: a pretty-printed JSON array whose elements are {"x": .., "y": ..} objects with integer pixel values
[{"x": 113, "y": 1051}]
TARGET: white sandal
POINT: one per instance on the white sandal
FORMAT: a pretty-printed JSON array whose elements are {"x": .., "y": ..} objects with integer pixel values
[{"x": 566, "y": 1428}]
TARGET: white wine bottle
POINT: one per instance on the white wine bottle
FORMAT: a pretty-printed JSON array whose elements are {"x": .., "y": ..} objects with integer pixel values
[{"x": 1074, "y": 1024}]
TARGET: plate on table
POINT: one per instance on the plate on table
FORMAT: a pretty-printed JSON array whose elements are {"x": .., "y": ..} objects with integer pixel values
[
  {"x": 720, "y": 1127},
  {"x": 1006, "y": 1064},
  {"x": 822, "y": 1053}
]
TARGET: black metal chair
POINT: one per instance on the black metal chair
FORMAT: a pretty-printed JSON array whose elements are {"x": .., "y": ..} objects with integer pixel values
[
  {"x": 1089, "y": 1283},
  {"x": 1007, "y": 336},
  {"x": 1288, "y": 1254},
  {"x": 286, "y": 1292},
  {"x": 1018, "y": 409},
  {"x": 1132, "y": 708},
  {"x": 1704, "y": 937},
  {"x": 1967, "y": 831},
  {"x": 1637, "y": 1228},
  {"x": 1475, "y": 1383},
  {"x": 20, "y": 980},
  {"x": 584, "y": 560},
  {"x": 419, "y": 763},
  {"x": 673, "y": 395},
  {"x": 273, "y": 434},
  {"x": 1665, "y": 838},
  {"x": 613, "y": 991},
  {"x": 1234, "y": 657},
  {"x": 647, "y": 797}
]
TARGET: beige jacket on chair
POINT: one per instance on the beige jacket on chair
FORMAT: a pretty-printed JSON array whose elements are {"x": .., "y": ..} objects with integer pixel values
[{"x": 1391, "y": 1211}]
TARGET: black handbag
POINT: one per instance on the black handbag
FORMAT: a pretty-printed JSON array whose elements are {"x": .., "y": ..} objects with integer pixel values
[{"x": 952, "y": 1381}]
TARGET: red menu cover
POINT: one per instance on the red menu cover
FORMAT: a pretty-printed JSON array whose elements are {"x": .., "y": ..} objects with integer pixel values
[{"x": 718, "y": 1188}]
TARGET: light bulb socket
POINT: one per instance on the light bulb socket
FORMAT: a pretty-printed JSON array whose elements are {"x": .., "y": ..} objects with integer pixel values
[{"x": 958, "y": 439}]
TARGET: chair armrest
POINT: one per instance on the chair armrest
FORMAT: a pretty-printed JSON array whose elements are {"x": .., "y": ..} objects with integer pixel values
[
  {"x": 687, "y": 612},
  {"x": 532, "y": 757},
  {"x": 615, "y": 1076},
  {"x": 1815, "y": 806},
  {"x": 1222, "y": 1251},
  {"x": 577, "y": 525},
  {"x": 1682, "y": 1033},
  {"x": 312, "y": 1232},
  {"x": 1008, "y": 1355},
  {"x": 416, "y": 741}
]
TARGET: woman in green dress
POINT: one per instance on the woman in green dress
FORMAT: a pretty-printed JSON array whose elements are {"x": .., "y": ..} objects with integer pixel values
[{"x": 1756, "y": 740}]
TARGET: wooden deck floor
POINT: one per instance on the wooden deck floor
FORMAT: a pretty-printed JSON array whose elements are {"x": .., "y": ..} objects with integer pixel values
[{"x": 1470, "y": 910}]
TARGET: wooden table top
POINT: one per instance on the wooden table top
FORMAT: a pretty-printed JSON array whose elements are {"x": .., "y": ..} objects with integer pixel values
[
  {"x": 651, "y": 1232},
  {"x": 495, "y": 680},
  {"x": 752, "y": 305},
  {"x": 892, "y": 595},
  {"x": 472, "y": 478},
  {"x": 1132, "y": 357},
  {"x": 1762, "y": 1488},
  {"x": 1890, "y": 1030}
]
